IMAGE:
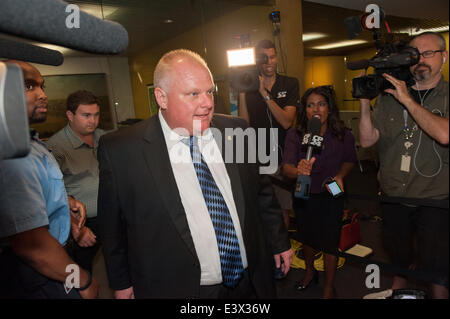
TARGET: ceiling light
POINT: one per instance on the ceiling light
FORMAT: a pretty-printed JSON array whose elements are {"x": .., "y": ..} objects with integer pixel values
[
  {"x": 168, "y": 21},
  {"x": 339, "y": 44},
  {"x": 415, "y": 31},
  {"x": 312, "y": 36},
  {"x": 98, "y": 11}
]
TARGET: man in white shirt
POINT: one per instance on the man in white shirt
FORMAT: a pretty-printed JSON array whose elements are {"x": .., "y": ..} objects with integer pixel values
[{"x": 176, "y": 220}]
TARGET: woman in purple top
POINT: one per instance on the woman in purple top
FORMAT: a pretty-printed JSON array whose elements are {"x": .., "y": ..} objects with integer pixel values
[{"x": 319, "y": 219}]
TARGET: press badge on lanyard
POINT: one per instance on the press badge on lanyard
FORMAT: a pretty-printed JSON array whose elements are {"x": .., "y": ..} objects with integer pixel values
[{"x": 405, "y": 164}]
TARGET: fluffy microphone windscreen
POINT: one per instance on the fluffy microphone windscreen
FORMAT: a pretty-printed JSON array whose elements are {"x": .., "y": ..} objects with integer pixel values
[
  {"x": 30, "y": 53},
  {"x": 357, "y": 65},
  {"x": 47, "y": 21}
]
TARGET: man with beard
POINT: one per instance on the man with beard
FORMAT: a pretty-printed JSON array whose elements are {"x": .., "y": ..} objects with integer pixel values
[
  {"x": 411, "y": 126},
  {"x": 35, "y": 217}
]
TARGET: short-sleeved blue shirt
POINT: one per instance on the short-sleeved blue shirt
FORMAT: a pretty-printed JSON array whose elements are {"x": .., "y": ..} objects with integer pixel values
[{"x": 32, "y": 194}]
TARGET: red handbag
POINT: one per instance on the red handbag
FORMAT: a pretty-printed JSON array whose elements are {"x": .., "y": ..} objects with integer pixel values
[{"x": 350, "y": 232}]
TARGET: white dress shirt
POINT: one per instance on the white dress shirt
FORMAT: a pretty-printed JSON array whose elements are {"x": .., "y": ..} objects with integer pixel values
[{"x": 198, "y": 218}]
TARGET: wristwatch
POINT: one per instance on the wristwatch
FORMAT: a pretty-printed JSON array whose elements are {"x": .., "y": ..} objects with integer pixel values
[
  {"x": 89, "y": 282},
  {"x": 267, "y": 97}
]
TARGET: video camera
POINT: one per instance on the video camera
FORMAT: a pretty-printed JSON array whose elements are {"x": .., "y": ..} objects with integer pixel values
[
  {"x": 393, "y": 57},
  {"x": 244, "y": 76}
]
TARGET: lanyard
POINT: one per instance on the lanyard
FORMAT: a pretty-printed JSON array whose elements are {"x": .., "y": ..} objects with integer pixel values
[{"x": 408, "y": 133}]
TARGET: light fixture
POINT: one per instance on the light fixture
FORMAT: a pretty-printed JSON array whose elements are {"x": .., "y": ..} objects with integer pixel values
[
  {"x": 241, "y": 57},
  {"x": 97, "y": 10},
  {"x": 339, "y": 44},
  {"x": 168, "y": 21},
  {"x": 312, "y": 36},
  {"x": 415, "y": 31}
]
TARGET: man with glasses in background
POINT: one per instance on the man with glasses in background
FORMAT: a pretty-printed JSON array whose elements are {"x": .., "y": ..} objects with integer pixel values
[{"x": 411, "y": 127}]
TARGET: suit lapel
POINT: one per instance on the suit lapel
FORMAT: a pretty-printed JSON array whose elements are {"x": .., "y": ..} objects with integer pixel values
[
  {"x": 158, "y": 162},
  {"x": 233, "y": 172}
]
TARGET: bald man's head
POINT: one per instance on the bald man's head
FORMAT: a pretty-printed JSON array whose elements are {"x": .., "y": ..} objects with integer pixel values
[
  {"x": 184, "y": 90},
  {"x": 34, "y": 91},
  {"x": 164, "y": 70}
]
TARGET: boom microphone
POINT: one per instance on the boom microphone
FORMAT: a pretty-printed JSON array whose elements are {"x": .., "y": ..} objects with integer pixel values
[
  {"x": 406, "y": 58},
  {"x": 30, "y": 53},
  {"x": 358, "y": 65},
  {"x": 46, "y": 21}
]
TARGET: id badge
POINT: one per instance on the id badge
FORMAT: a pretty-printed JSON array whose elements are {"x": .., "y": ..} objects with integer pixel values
[{"x": 406, "y": 163}]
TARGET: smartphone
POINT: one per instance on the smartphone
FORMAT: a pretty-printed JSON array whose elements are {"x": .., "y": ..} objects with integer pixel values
[{"x": 334, "y": 188}]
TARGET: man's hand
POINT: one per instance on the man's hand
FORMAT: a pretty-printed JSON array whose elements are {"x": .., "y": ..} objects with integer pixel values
[
  {"x": 85, "y": 238},
  {"x": 368, "y": 134},
  {"x": 287, "y": 260},
  {"x": 124, "y": 293},
  {"x": 74, "y": 228},
  {"x": 401, "y": 91},
  {"x": 262, "y": 88},
  {"x": 78, "y": 211},
  {"x": 304, "y": 167},
  {"x": 90, "y": 292}
]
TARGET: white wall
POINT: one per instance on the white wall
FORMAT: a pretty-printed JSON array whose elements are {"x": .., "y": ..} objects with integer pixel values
[{"x": 117, "y": 77}]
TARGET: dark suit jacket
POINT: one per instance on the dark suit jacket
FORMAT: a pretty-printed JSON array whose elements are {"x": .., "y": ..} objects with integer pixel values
[{"x": 146, "y": 239}]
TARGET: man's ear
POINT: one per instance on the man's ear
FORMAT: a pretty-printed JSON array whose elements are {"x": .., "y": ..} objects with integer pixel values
[
  {"x": 161, "y": 98},
  {"x": 70, "y": 115}
]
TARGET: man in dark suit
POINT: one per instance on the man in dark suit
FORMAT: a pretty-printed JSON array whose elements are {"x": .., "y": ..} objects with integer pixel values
[{"x": 175, "y": 219}]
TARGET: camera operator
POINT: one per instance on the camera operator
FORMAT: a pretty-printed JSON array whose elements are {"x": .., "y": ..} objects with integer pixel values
[
  {"x": 411, "y": 127},
  {"x": 273, "y": 106}
]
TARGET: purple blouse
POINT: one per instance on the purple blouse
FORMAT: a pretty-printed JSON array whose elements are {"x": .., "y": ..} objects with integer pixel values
[{"x": 328, "y": 160}]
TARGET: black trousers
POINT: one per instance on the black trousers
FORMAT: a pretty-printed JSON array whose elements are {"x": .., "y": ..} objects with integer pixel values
[
  {"x": 20, "y": 281},
  {"x": 244, "y": 290},
  {"x": 430, "y": 226}
]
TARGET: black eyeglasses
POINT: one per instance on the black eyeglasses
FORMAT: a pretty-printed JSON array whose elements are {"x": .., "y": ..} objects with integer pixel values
[{"x": 430, "y": 53}]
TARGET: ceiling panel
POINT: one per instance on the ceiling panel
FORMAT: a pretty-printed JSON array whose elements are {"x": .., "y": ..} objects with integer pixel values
[
  {"x": 330, "y": 21},
  {"x": 435, "y": 9},
  {"x": 144, "y": 19}
]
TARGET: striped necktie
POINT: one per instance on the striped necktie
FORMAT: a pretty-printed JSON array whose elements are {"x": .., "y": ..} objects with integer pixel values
[{"x": 227, "y": 242}]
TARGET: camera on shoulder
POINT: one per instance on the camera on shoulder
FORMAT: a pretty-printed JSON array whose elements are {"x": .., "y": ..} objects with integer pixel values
[{"x": 394, "y": 56}]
